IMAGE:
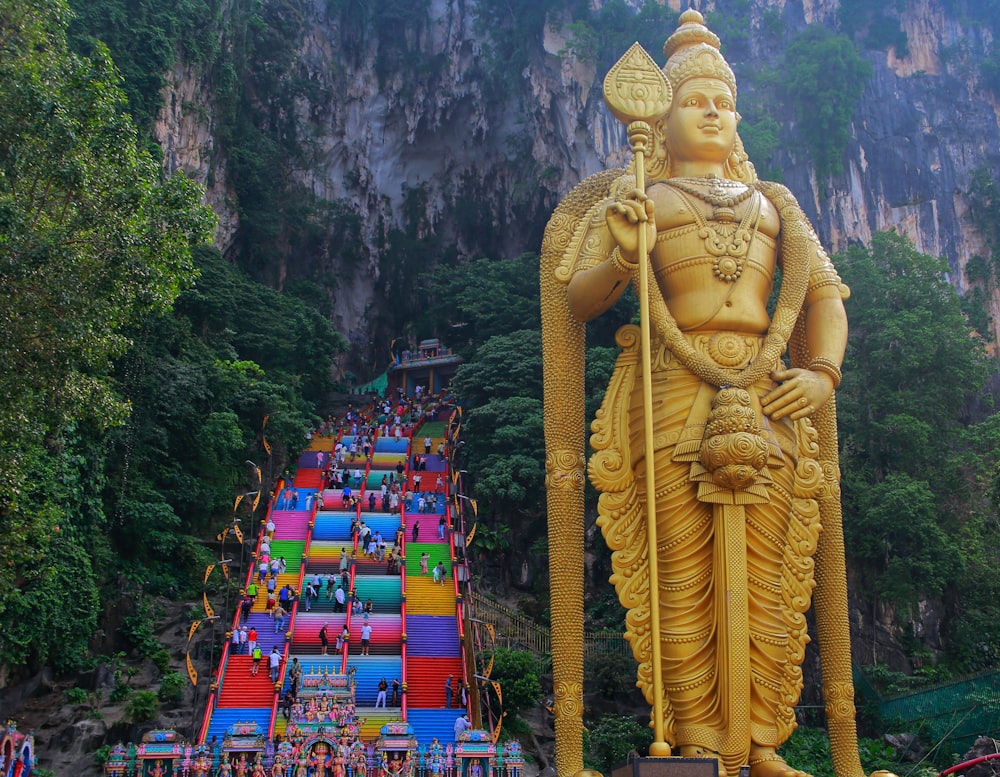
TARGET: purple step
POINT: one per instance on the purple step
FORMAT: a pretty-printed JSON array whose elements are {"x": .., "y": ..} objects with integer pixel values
[
  {"x": 432, "y": 635},
  {"x": 266, "y": 637}
]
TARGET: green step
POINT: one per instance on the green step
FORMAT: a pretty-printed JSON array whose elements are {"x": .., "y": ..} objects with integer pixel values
[
  {"x": 438, "y": 552},
  {"x": 383, "y": 591}
]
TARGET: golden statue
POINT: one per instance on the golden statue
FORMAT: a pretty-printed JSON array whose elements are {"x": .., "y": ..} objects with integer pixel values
[{"x": 744, "y": 448}]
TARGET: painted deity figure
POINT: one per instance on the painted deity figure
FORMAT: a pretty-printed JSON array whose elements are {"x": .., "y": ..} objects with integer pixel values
[
  {"x": 320, "y": 759},
  {"x": 743, "y": 443},
  {"x": 201, "y": 765}
]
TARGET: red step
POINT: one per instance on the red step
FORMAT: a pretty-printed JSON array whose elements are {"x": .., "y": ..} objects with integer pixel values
[
  {"x": 241, "y": 689},
  {"x": 425, "y": 681},
  {"x": 307, "y": 478}
]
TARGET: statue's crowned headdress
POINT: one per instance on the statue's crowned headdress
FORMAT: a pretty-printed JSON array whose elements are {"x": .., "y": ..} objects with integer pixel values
[{"x": 693, "y": 50}]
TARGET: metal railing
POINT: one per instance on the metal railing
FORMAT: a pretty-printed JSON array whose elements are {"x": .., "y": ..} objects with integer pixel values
[{"x": 518, "y": 632}]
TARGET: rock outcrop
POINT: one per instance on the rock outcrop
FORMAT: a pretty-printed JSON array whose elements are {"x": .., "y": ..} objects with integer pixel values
[{"x": 415, "y": 107}]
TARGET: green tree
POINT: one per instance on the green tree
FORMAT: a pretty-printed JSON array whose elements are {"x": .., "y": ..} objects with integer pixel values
[
  {"x": 218, "y": 365},
  {"x": 145, "y": 38},
  {"x": 93, "y": 238},
  {"x": 517, "y": 673},
  {"x": 484, "y": 298},
  {"x": 913, "y": 376},
  {"x": 912, "y": 366},
  {"x": 824, "y": 77},
  {"x": 612, "y": 738}
]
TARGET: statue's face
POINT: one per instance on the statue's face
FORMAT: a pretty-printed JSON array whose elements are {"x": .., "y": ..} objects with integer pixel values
[{"x": 701, "y": 125}]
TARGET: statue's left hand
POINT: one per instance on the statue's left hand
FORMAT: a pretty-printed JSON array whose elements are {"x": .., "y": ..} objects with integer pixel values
[{"x": 799, "y": 393}]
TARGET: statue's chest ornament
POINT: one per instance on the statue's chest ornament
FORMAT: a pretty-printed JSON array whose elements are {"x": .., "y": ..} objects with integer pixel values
[{"x": 724, "y": 239}]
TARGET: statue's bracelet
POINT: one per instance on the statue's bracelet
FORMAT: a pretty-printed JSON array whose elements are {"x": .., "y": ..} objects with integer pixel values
[
  {"x": 820, "y": 364},
  {"x": 620, "y": 264}
]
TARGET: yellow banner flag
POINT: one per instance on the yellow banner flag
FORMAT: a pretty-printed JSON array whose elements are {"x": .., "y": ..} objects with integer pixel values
[
  {"x": 238, "y": 533},
  {"x": 475, "y": 507},
  {"x": 225, "y": 570},
  {"x": 192, "y": 673},
  {"x": 209, "y": 612},
  {"x": 237, "y": 503},
  {"x": 208, "y": 571},
  {"x": 468, "y": 539},
  {"x": 193, "y": 629},
  {"x": 256, "y": 500},
  {"x": 267, "y": 445}
]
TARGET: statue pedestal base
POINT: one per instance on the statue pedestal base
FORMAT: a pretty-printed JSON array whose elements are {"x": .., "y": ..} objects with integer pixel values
[{"x": 668, "y": 767}]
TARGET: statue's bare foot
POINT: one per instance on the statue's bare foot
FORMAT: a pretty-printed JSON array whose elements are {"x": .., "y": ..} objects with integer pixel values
[{"x": 764, "y": 762}]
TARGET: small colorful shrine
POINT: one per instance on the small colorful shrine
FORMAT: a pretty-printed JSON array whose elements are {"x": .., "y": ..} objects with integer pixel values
[{"x": 17, "y": 751}]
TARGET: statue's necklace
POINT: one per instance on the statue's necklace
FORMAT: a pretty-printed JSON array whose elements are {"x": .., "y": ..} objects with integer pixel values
[
  {"x": 727, "y": 241},
  {"x": 720, "y": 192}
]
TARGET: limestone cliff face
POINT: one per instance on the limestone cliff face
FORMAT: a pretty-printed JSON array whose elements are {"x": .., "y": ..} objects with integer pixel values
[{"x": 393, "y": 111}]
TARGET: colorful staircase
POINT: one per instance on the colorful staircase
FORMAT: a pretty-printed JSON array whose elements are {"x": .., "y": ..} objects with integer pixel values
[
  {"x": 241, "y": 696},
  {"x": 415, "y": 630},
  {"x": 433, "y": 648}
]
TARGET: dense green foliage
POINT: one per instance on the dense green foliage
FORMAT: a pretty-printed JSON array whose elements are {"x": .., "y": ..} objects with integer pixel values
[
  {"x": 809, "y": 751},
  {"x": 918, "y": 468},
  {"x": 201, "y": 386},
  {"x": 146, "y": 38},
  {"x": 609, "y": 742},
  {"x": 517, "y": 674},
  {"x": 126, "y": 420},
  {"x": 873, "y": 25},
  {"x": 823, "y": 78},
  {"x": 603, "y": 35},
  {"x": 93, "y": 240}
]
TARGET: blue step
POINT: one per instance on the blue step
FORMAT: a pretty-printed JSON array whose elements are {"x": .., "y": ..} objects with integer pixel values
[
  {"x": 387, "y": 524},
  {"x": 223, "y": 718},
  {"x": 432, "y": 636},
  {"x": 368, "y": 670},
  {"x": 428, "y": 724},
  {"x": 312, "y": 665},
  {"x": 390, "y": 445},
  {"x": 333, "y": 527}
]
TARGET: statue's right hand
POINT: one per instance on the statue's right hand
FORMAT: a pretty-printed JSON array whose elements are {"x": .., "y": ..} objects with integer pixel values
[{"x": 624, "y": 217}]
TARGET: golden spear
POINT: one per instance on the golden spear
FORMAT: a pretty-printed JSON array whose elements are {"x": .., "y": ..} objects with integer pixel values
[{"x": 637, "y": 92}]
